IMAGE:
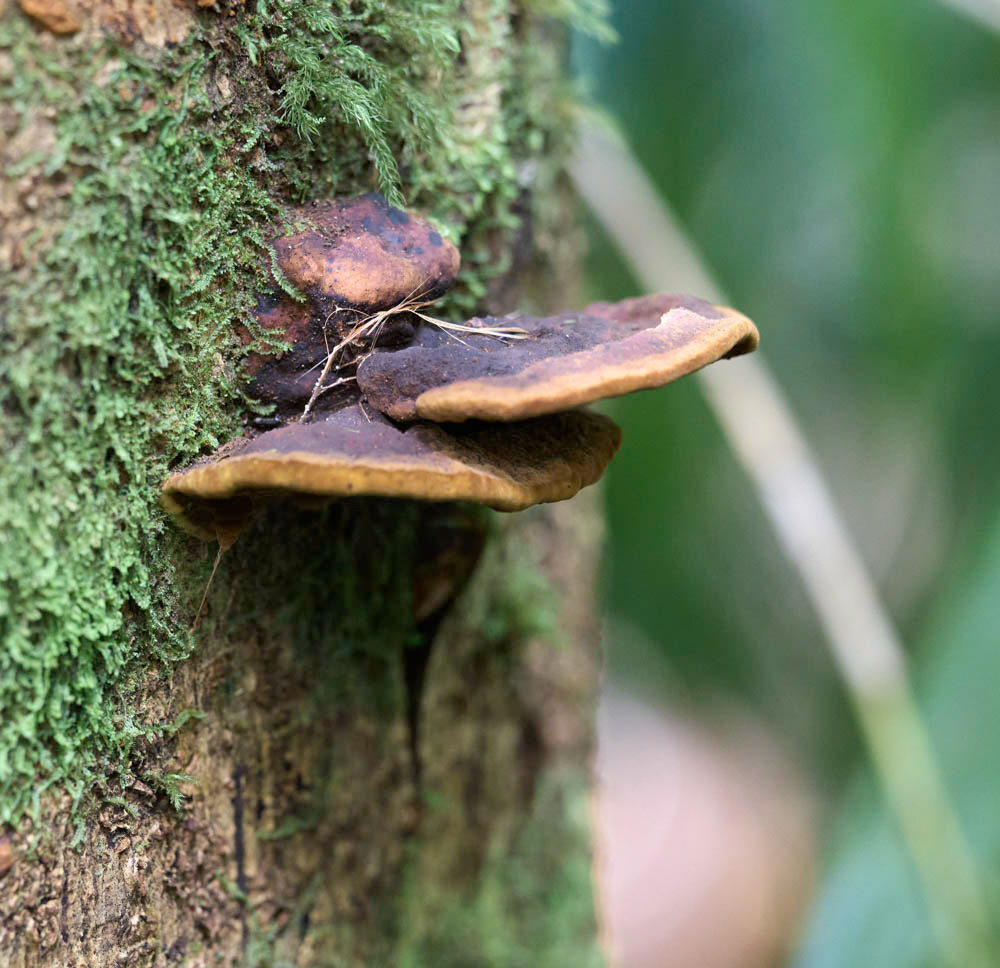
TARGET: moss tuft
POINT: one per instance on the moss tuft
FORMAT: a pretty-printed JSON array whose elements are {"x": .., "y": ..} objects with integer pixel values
[{"x": 370, "y": 67}]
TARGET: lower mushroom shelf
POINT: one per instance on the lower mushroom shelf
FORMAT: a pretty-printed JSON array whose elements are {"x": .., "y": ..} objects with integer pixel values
[{"x": 355, "y": 452}]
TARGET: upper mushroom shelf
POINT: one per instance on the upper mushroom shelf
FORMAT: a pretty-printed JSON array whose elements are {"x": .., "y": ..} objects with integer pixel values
[
  {"x": 379, "y": 398},
  {"x": 567, "y": 360}
]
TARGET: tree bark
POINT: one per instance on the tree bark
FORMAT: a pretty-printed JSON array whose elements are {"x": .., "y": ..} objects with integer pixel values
[{"x": 375, "y": 750}]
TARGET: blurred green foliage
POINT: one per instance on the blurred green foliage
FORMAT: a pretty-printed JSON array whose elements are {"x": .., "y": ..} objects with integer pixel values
[
  {"x": 869, "y": 912},
  {"x": 838, "y": 165}
]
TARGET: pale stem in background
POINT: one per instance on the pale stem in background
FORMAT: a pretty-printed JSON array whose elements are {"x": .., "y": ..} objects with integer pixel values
[
  {"x": 765, "y": 437},
  {"x": 987, "y": 12}
]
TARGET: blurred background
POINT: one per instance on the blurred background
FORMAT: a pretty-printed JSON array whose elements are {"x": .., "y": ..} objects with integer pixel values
[{"x": 836, "y": 164}]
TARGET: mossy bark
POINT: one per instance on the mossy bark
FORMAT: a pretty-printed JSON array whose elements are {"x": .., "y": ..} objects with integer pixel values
[{"x": 360, "y": 757}]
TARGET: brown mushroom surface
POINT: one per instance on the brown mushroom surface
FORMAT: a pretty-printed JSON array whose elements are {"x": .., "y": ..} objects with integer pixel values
[
  {"x": 351, "y": 257},
  {"x": 352, "y": 453},
  {"x": 604, "y": 350},
  {"x": 365, "y": 253}
]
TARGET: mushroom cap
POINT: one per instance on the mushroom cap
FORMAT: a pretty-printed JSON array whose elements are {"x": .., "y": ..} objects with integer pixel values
[
  {"x": 605, "y": 350},
  {"x": 364, "y": 253},
  {"x": 351, "y": 453},
  {"x": 355, "y": 256}
]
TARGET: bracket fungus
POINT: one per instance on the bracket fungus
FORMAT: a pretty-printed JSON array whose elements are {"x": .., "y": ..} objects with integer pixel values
[
  {"x": 350, "y": 452},
  {"x": 351, "y": 258},
  {"x": 605, "y": 350},
  {"x": 485, "y": 415}
]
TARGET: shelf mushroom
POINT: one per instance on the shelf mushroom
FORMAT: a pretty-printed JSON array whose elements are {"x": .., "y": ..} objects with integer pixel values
[
  {"x": 351, "y": 258},
  {"x": 351, "y": 452},
  {"x": 605, "y": 350},
  {"x": 485, "y": 415}
]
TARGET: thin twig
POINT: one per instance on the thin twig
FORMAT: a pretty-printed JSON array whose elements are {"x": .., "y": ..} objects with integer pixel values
[
  {"x": 763, "y": 433},
  {"x": 208, "y": 585},
  {"x": 371, "y": 326}
]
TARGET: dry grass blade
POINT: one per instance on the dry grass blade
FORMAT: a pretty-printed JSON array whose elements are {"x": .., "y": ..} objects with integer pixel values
[
  {"x": 766, "y": 438},
  {"x": 500, "y": 332}
]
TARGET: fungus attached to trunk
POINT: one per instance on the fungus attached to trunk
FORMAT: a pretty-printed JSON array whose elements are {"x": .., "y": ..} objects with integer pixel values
[
  {"x": 351, "y": 453},
  {"x": 605, "y": 350},
  {"x": 350, "y": 258},
  {"x": 500, "y": 392}
]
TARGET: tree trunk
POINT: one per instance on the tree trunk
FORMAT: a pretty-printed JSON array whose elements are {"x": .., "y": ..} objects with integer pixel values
[{"x": 375, "y": 748}]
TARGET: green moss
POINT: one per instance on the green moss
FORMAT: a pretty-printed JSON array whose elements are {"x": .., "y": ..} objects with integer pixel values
[
  {"x": 533, "y": 905},
  {"x": 344, "y": 604},
  {"x": 358, "y": 80},
  {"x": 112, "y": 370},
  {"x": 517, "y": 602},
  {"x": 262, "y": 940},
  {"x": 118, "y": 358}
]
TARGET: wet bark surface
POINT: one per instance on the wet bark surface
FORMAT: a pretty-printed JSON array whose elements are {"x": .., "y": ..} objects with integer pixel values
[{"x": 309, "y": 834}]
